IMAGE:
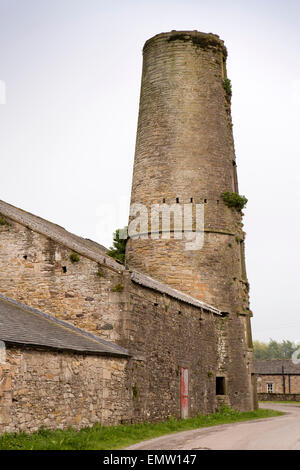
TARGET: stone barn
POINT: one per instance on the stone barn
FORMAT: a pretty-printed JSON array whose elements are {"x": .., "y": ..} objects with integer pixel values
[{"x": 86, "y": 339}]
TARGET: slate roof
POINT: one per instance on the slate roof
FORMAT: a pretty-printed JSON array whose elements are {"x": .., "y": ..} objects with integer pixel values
[
  {"x": 20, "y": 324},
  {"x": 151, "y": 283},
  {"x": 80, "y": 245},
  {"x": 276, "y": 366}
]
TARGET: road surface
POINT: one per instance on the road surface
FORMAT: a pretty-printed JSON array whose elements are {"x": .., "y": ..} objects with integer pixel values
[{"x": 278, "y": 433}]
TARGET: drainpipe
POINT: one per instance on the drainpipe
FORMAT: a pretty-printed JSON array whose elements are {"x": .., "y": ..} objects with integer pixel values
[{"x": 283, "y": 379}]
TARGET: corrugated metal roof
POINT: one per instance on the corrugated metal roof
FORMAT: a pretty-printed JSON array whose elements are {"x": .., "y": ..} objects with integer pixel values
[
  {"x": 21, "y": 324},
  {"x": 86, "y": 247},
  {"x": 275, "y": 366},
  {"x": 151, "y": 283}
]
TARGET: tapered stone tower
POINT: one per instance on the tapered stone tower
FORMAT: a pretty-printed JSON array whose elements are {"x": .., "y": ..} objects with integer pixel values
[{"x": 185, "y": 155}]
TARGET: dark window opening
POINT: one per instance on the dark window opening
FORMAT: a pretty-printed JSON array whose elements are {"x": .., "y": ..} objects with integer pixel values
[
  {"x": 164, "y": 200},
  {"x": 205, "y": 201},
  {"x": 177, "y": 199},
  {"x": 64, "y": 269},
  {"x": 25, "y": 256},
  {"x": 218, "y": 201},
  {"x": 220, "y": 385},
  {"x": 191, "y": 199}
]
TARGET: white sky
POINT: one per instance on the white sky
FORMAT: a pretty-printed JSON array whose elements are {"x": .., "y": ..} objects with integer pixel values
[{"x": 72, "y": 71}]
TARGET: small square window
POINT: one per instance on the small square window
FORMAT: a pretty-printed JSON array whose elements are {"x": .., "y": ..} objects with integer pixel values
[{"x": 270, "y": 387}]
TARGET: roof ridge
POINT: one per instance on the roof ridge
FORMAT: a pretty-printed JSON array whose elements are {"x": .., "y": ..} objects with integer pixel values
[
  {"x": 59, "y": 234},
  {"x": 154, "y": 284}
]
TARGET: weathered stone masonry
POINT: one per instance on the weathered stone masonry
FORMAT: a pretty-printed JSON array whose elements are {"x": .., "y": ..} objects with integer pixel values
[
  {"x": 60, "y": 389},
  {"x": 185, "y": 155},
  {"x": 170, "y": 308},
  {"x": 32, "y": 270},
  {"x": 167, "y": 334},
  {"x": 160, "y": 332}
]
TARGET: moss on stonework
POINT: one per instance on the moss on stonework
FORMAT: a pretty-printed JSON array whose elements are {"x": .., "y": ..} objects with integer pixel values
[
  {"x": 118, "y": 288},
  {"x": 4, "y": 222},
  {"x": 74, "y": 257},
  {"x": 135, "y": 391},
  {"x": 100, "y": 271}
]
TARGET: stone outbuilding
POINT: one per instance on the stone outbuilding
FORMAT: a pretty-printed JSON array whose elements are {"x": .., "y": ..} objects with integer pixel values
[
  {"x": 56, "y": 375},
  {"x": 277, "y": 379}
]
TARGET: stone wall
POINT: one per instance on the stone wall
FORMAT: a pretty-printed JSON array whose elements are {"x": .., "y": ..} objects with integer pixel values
[
  {"x": 38, "y": 272},
  {"x": 279, "y": 396},
  {"x": 59, "y": 389},
  {"x": 164, "y": 334},
  {"x": 161, "y": 334},
  {"x": 216, "y": 277}
]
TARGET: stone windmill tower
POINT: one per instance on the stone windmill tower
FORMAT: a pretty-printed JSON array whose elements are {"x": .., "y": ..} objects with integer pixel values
[{"x": 185, "y": 155}]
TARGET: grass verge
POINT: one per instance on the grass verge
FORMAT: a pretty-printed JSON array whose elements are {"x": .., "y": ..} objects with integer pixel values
[{"x": 117, "y": 437}]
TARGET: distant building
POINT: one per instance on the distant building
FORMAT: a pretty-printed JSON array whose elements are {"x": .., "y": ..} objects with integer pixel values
[{"x": 277, "y": 379}]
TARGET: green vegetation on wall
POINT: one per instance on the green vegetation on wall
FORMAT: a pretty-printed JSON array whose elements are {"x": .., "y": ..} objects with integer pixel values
[
  {"x": 4, "y": 222},
  {"x": 74, "y": 257},
  {"x": 227, "y": 86},
  {"x": 117, "y": 251},
  {"x": 118, "y": 288},
  {"x": 234, "y": 200}
]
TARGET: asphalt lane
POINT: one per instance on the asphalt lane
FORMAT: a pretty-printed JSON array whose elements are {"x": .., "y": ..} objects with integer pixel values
[{"x": 278, "y": 433}]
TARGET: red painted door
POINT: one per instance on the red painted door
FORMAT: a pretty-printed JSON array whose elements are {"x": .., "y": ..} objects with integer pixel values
[{"x": 184, "y": 392}]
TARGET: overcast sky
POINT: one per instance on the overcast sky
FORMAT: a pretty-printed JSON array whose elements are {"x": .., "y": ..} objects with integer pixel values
[{"x": 72, "y": 70}]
